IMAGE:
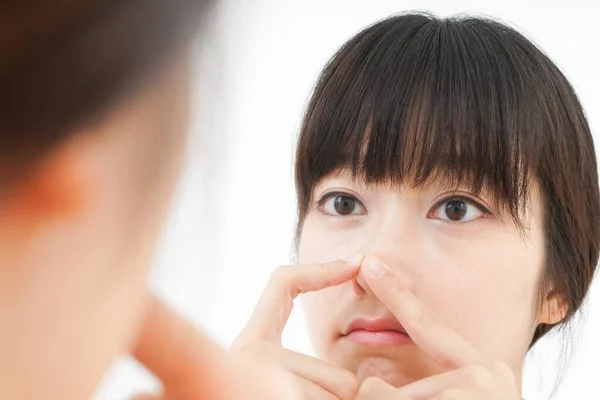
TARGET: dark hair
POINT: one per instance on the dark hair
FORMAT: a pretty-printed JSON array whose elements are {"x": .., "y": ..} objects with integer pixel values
[
  {"x": 63, "y": 62},
  {"x": 470, "y": 101}
]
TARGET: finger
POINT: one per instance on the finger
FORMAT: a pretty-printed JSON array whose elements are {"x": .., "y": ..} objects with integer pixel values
[
  {"x": 310, "y": 391},
  {"x": 422, "y": 325},
  {"x": 430, "y": 386},
  {"x": 191, "y": 367},
  {"x": 286, "y": 283},
  {"x": 248, "y": 380},
  {"x": 337, "y": 381},
  {"x": 455, "y": 394},
  {"x": 376, "y": 389},
  {"x": 146, "y": 397},
  {"x": 426, "y": 388},
  {"x": 184, "y": 360}
]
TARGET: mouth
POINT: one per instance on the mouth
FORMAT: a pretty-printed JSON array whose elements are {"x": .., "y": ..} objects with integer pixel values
[{"x": 376, "y": 332}]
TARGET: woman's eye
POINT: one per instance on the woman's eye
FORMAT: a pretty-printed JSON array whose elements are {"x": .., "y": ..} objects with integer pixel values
[
  {"x": 342, "y": 205},
  {"x": 458, "y": 210}
]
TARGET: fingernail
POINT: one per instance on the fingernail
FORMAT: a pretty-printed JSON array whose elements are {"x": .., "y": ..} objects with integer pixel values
[
  {"x": 375, "y": 266},
  {"x": 355, "y": 260}
]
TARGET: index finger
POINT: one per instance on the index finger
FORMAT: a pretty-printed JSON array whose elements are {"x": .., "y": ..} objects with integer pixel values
[
  {"x": 286, "y": 283},
  {"x": 375, "y": 388},
  {"x": 443, "y": 344}
]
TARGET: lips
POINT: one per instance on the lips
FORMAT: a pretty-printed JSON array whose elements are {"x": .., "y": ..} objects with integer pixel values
[{"x": 376, "y": 332}]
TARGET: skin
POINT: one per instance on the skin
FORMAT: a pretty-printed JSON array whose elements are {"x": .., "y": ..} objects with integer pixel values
[
  {"x": 466, "y": 293},
  {"x": 261, "y": 338},
  {"x": 191, "y": 367},
  {"x": 468, "y": 373},
  {"x": 82, "y": 232},
  {"x": 78, "y": 234}
]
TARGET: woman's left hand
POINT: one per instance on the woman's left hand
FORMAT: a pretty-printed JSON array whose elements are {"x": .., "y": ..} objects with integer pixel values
[{"x": 470, "y": 376}]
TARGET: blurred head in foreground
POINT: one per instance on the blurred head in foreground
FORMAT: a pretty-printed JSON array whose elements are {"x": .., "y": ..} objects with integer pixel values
[{"x": 93, "y": 114}]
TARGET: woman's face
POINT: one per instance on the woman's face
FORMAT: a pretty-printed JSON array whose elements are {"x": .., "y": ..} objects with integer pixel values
[{"x": 468, "y": 262}]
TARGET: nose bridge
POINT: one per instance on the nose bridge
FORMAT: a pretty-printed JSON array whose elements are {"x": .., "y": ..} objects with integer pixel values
[{"x": 390, "y": 235}]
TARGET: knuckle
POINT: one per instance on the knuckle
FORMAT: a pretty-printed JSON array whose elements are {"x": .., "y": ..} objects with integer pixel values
[
  {"x": 281, "y": 275},
  {"x": 348, "y": 385},
  {"x": 243, "y": 346},
  {"x": 450, "y": 394},
  {"x": 477, "y": 376},
  {"x": 331, "y": 265},
  {"x": 368, "y": 388},
  {"x": 239, "y": 346},
  {"x": 418, "y": 321},
  {"x": 503, "y": 372},
  {"x": 397, "y": 291}
]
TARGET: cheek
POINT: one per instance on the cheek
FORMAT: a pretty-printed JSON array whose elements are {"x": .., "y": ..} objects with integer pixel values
[
  {"x": 312, "y": 304},
  {"x": 492, "y": 262},
  {"x": 484, "y": 288},
  {"x": 318, "y": 244},
  {"x": 320, "y": 320}
]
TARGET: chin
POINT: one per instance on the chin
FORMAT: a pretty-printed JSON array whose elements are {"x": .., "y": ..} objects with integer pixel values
[
  {"x": 398, "y": 366},
  {"x": 393, "y": 372}
]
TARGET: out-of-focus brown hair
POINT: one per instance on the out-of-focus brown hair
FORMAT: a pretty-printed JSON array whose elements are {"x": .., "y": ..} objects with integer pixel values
[{"x": 64, "y": 62}]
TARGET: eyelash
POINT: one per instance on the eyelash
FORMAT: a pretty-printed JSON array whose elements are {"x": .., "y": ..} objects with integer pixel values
[
  {"x": 464, "y": 198},
  {"x": 323, "y": 200}
]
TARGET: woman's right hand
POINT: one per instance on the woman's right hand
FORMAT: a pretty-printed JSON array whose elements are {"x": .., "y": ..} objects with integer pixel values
[
  {"x": 261, "y": 338},
  {"x": 191, "y": 367}
]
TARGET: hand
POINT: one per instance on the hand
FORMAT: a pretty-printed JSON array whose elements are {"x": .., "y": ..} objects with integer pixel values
[
  {"x": 470, "y": 376},
  {"x": 316, "y": 379},
  {"x": 191, "y": 367}
]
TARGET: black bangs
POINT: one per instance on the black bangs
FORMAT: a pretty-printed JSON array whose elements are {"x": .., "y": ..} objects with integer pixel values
[{"x": 414, "y": 99}]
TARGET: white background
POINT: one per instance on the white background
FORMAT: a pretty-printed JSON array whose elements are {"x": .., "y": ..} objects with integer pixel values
[{"x": 233, "y": 217}]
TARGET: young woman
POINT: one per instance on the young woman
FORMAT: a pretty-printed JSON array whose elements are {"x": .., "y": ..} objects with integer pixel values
[
  {"x": 453, "y": 160},
  {"x": 93, "y": 100}
]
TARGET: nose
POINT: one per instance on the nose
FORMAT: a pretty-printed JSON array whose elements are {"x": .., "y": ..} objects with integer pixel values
[
  {"x": 360, "y": 286},
  {"x": 394, "y": 240}
]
